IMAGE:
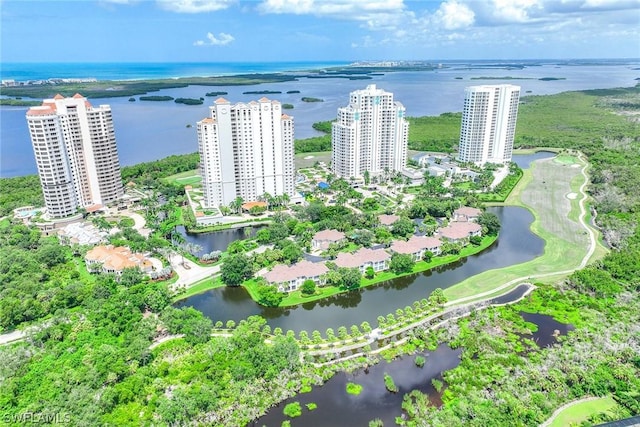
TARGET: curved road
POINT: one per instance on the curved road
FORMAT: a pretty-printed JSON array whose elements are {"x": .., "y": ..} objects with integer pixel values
[{"x": 583, "y": 263}]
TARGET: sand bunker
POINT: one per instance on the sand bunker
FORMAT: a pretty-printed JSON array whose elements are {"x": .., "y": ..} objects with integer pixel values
[
  {"x": 572, "y": 196},
  {"x": 308, "y": 157}
]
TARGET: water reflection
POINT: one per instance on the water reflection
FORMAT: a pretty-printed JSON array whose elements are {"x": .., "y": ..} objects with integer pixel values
[
  {"x": 337, "y": 408},
  {"x": 516, "y": 244}
]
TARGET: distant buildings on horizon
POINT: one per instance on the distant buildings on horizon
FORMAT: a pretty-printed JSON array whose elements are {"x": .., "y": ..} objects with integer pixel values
[
  {"x": 369, "y": 135},
  {"x": 76, "y": 154},
  {"x": 246, "y": 150},
  {"x": 488, "y": 123}
]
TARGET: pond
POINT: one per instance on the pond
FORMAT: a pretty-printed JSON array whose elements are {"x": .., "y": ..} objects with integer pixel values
[
  {"x": 515, "y": 245},
  {"x": 338, "y": 408},
  {"x": 524, "y": 160},
  {"x": 548, "y": 328},
  {"x": 218, "y": 240}
]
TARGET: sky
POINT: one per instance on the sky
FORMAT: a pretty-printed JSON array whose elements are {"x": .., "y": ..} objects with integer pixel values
[{"x": 315, "y": 30}]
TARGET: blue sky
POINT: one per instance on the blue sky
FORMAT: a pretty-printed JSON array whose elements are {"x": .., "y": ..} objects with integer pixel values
[{"x": 315, "y": 30}]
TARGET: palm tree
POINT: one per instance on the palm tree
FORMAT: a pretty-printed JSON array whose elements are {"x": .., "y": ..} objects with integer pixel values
[
  {"x": 236, "y": 205},
  {"x": 285, "y": 199}
]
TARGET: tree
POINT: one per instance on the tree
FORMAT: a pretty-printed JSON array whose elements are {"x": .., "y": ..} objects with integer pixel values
[
  {"x": 235, "y": 270},
  {"x": 401, "y": 263},
  {"x": 131, "y": 276},
  {"x": 257, "y": 210},
  {"x": 308, "y": 287},
  {"x": 236, "y": 204},
  {"x": 362, "y": 237},
  {"x": 291, "y": 252},
  {"x": 263, "y": 235},
  {"x": 369, "y": 273},
  {"x": 350, "y": 277},
  {"x": 367, "y": 177},
  {"x": 403, "y": 227},
  {"x": 427, "y": 256},
  {"x": 438, "y": 297},
  {"x": 490, "y": 222},
  {"x": 269, "y": 296}
]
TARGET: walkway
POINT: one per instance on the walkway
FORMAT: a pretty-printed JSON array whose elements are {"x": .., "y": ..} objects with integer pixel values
[
  {"x": 565, "y": 406},
  {"x": 583, "y": 263}
]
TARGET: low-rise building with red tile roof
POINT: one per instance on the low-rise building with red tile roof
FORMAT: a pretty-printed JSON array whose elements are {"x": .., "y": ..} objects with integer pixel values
[
  {"x": 322, "y": 239},
  {"x": 289, "y": 278},
  {"x": 460, "y": 232},
  {"x": 466, "y": 213},
  {"x": 114, "y": 259},
  {"x": 363, "y": 258},
  {"x": 388, "y": 220},
  {"x": 416, "y": 246}
]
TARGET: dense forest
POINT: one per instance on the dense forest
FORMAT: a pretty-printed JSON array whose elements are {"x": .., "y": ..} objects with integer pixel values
[{"x": 91, "y": 356}]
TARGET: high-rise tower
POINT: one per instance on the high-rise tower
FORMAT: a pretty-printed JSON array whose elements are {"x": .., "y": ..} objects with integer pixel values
[
  {"x": 488, "y": 123},
  {"x": 76, "y": 154},
  {"x": 370, "y": 134},
  {"x": 246, "y": 150}
]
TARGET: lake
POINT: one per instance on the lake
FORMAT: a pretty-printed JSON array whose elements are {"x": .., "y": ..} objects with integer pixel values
[
  {"x": 516, "y": 244},
  {"x": 147, "y": 130}
]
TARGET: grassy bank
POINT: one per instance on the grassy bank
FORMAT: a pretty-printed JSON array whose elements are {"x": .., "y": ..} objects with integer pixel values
[
  {"x": 200, "y": 287},
  {"x": 547, "y": 184},
  {"x": 581, "y": 411},
  {"x": 296, "y": 297}
]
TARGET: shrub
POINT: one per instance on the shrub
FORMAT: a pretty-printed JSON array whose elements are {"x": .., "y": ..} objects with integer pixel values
[
  {"x": 420, "y": 360},
  {"x": 389, "y": 384},
  {"x": 353, "y": 388},
  {"x": 293, "y": 410}
]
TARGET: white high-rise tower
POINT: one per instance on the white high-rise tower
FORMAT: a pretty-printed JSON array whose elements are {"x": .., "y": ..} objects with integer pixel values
[
  {"x": 488, "y": 123},
  {"x": 76, "y": 154},
  {"x": 246, "y": 150},
  {"x": 370, "y": 134}
]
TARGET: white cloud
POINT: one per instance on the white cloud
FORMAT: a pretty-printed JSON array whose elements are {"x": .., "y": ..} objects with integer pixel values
[
  {"x": 344, "y": 9},
  {"x": 453, "y": 15},
  {"x": 195, "y": 6},
  {"x": 514, "y": 10},
  {"x": 222, "y": 40}
]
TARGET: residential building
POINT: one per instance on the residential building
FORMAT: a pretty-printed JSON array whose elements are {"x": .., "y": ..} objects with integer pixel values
[
  {"x": 76, "y": 154},
  {"x": 416, "y": 246},
  {"x": 370, "y": 134},
  {"x": 289, "y": 278},
  {"x": 115, "y": 259},
  {"x": 246, "y": 150},
  {"x": 363, "y": 258},
  {"x": 466, "y": 213},
  {"x": 322, "y": 239},
  {"x": 460, "y": 232},
  {"x": 488, "y": 123},
  {"x": 387, "y": 220}
]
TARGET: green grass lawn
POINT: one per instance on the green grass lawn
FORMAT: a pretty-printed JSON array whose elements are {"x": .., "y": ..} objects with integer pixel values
[
  {"x": 579, "y": 412},
  {"x": 542, "y": 190},
  {"x": 319, "y": 156},
  {"x": 184, "y": 178},
  {"x": 200, "y": 287}
]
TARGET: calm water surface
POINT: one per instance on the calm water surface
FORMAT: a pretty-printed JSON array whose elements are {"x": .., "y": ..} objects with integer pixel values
[
  {"x": 515, "y": 245},
  {"x": 148, "y": 130},
  {"x": 337, "y": 408}
]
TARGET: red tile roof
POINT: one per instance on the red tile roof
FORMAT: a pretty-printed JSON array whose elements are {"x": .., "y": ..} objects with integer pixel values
[
  {"x": 361, "y": 257},
  {"x": 285, "y": 273},
  {"x": 467, "y": 212},
  {"x": 330, "y": 235},
  {"x": 459, "y": 230},
  {"x": 43, "y": 110},
  {"x": 221, "y": 101},
  {"x": 388, "y": 219},
  {"x": 415, "y": 244}
]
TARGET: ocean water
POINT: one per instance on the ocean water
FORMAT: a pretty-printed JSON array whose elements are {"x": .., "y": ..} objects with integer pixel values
[
  {"x": 147, "y": 70},
  {"x": 147, "y": 131}
]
